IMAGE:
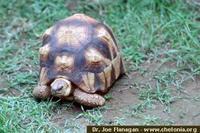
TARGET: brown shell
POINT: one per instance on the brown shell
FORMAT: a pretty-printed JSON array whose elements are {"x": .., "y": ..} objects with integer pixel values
[{"x": 84, "y": 51}]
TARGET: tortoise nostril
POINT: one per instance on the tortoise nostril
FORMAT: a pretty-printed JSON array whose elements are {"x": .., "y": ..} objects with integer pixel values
[
  {"x": 60, "y": 88},
  {"x": 57, "y": 88}
]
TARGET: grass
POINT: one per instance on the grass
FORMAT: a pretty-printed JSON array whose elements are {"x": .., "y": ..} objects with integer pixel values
[
  {"x": 119, "y": 121},
  {"x": 145, "y": 30},
  {"x": 93, "y": 116},
  {"x": 154, "y": 120},
  {"x": 22, "y": 114}
]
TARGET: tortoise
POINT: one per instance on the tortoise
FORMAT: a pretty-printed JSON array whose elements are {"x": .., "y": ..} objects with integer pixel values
[{"x": 79, "y": 60}]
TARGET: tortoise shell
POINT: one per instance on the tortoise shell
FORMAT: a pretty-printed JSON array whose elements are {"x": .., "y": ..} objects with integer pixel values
[{"x": 82, "y": 50}]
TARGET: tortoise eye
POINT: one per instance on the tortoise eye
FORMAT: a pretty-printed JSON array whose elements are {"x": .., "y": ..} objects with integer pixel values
[{"x": 93, "y": 56}]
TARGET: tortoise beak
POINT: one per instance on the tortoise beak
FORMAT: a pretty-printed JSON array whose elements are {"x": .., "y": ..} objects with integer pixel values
[{"x": 61, "y": 87}]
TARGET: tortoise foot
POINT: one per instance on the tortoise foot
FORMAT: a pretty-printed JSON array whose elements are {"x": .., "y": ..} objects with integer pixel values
[
  {"x": 41, "y": 92},
  {"x": 91, "y": 100}
]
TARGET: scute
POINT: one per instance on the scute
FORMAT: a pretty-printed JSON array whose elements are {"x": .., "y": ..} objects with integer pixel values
[
  {"x": 72, "y": 35},
  {"x": 82, "y": 50}
]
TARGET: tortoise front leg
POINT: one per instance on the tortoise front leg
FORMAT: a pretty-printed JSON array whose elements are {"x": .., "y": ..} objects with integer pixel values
[
  {"x": 42, "y": 91},
  {"x": 91, "y": 100}
]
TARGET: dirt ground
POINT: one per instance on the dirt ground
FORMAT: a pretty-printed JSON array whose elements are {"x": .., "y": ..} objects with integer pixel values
[
  {"x": 157, "y": 92},
  {"x": 124, "y": 96},
  {"x": 183, "y": 109}
]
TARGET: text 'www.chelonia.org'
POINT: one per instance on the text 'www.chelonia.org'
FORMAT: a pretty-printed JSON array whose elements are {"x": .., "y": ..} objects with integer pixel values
[{"x": 141, "y": 129}]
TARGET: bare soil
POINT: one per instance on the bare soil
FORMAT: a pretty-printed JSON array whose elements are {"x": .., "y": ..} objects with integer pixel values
[{"x": 184, "y": 109}]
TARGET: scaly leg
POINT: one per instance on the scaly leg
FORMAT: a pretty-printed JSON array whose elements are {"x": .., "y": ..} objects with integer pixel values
[
  {"x": 91, "y": 100},
  {"x": 42, "y": 91}
]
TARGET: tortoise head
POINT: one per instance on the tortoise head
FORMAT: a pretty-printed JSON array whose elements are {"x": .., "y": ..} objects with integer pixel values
[{"x": 61, "y": 87}]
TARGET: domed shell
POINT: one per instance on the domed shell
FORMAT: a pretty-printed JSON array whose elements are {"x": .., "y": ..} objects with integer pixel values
[{"x": 82, "y": 50}]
